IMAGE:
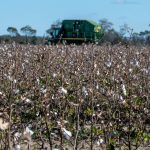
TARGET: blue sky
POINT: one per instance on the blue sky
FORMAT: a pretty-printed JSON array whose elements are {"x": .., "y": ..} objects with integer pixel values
[{"x": 40, "y": 14}]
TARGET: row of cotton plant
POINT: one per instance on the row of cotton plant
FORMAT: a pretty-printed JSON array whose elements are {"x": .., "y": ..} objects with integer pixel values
[{"x": 74, "y": 97}]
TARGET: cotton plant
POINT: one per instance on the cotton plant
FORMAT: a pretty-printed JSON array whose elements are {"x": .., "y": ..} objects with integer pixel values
[
  {"x": 27, "y": 135},
  {"x": 44, "y": 75},
  {"x": 16, "y": 139},
  {"x": 66, "y": 133}
]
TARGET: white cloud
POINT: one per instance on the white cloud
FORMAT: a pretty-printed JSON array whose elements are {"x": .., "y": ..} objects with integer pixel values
[
  {"x": 120, "y": 1},
  {"x": 124, "y": 2}
]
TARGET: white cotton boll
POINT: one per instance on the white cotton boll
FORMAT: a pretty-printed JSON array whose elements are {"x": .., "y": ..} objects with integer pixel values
[
  {"x": 27, "y": 61},
  {"x": 67, "y": 134},
  {"x": 65, "y": 121},
  {"x": 98, "y": 73},
  {"x": 94, "y": 115},
  {"x": 3, "y": 125},
  {"x": 54, "y": 75},
  {"x": 124, "y": 102},
  {"x": 102, "y": 121},
  {"x": 113, "y": 78},
  {"x": 135, "y": 77},
  {"x": 124, "y": 62},
  {"x": 59, "y": 123},
  {"x": 98, "y": 105},
  {"x": 15, "y": 81},
  {"x": 27, "y": 100},
  {"x": 9, "y": 55},
  {"x": 23, "y": 66},
  {"x": 53, "y": 97},
  {"x": 102, "y": 90},
  {"x": 121, "y": 98},
  {"x": 17, "y": 147},
  {"x": 17, "y": 134},
  {"x": 84, "y": 90},
  {"x": 73, "y": 104},
  {"x": 137, "y": 63},
  {"x": 95, "y": 65},
  {"x": 137, "y": 53},
  {"x": 99, "y": 141},
  {"x": 22, "y": 98},
  {"x": 145, "y": 70},
  {"x": 43, "y": 90},
  {"x": 37, "y": 114},
  {"x": 29, "y": 131},
  {"x": 53, "y": 134},
  {"x": 16, "y": 91},
  {"x": 131, "y": 62},
  {"x": 130, "y": 70},
  {"x": 38, "y": 81},
  {"x": 10, "y": 78},
  {"x": 146, "y": 110},
  {"x": 124, "y": 89},
  {"x": 63, "y": 90},
  {"x": 118, "y": 66},
  {"x": 55, "y": 113},
  {"x": 110, "y": 124},
  {"x": 97, "y": 86},
  {"x": 108, "y": 64}
]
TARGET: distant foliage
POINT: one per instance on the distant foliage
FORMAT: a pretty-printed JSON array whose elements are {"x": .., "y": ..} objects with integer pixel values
[{"x": 126, "y": 35}]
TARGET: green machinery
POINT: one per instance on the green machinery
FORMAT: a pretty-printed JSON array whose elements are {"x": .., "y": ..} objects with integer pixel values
[{"x": 76, "y": 31}]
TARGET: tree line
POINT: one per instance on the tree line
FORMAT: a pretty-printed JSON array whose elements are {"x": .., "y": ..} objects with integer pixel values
[{"x": 125, "y": 35}]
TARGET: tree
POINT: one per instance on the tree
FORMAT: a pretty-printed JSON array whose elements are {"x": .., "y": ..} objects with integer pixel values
[
  {"x": 12, "y": 31},
  {"x": 56, "y": 24},
  {"x": 48, "y": 31},
  {"x": 110, "y": 34},
  {"x": 112, "y": 37},
  {"x": 137, "y": 38},
  {"x": 28, "y": 31},
  {"x": 126, "y": 30},
  {"x": 145, "y": 35},
  {"x": 106, "y": 25}
]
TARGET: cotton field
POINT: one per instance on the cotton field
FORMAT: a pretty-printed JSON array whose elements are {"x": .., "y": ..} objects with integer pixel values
[{"x": 70, "y": 97}]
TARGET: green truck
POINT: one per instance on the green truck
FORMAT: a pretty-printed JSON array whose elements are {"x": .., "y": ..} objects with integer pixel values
[{"x": 76, "y": 31}]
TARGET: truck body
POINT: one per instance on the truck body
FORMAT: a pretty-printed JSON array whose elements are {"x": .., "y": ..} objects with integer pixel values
[{"x": 76, "y": 31}]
